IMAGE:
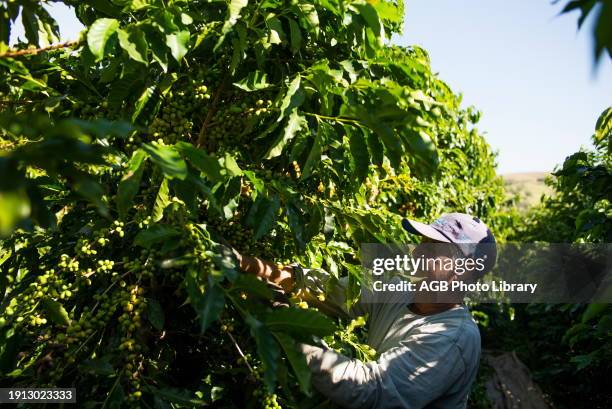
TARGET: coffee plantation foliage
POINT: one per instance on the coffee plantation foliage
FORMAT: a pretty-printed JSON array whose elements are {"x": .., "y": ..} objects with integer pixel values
[
  {"x": 580, "y": 211},
  {"x": 134, "y": 155},
  {"x": 568, "y": 347}
]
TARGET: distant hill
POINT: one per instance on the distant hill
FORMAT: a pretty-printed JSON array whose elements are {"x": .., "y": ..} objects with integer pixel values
[{"x": 530, "y": 186}]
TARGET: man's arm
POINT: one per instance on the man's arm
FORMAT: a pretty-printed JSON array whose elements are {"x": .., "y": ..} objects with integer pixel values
[
  {"x": 279, "y": 275},
  {"x": 409, "y": 376},
  {"x": 311, "y": 284}
]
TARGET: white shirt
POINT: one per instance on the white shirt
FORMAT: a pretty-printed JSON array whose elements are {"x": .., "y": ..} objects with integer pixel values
[{"x": 424, "y": 361}]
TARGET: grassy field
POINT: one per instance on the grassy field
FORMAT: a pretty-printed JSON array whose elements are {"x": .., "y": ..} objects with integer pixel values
[{"x": 529, "y": 186}]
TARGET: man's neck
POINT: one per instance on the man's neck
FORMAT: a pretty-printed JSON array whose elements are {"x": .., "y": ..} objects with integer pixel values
[{"x": 430, "y": 308}]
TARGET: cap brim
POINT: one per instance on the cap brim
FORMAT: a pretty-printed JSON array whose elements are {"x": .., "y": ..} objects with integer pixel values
[{"x": 423, "y": 229}]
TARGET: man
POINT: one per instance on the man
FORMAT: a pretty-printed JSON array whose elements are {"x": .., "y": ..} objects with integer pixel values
[{"x": 428, "y": 351}]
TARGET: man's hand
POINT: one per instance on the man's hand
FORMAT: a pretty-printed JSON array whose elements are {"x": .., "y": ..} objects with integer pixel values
[{"x": 277, "y": 274}]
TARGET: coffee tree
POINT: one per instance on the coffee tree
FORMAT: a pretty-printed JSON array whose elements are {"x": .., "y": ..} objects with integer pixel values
[
  {"x": 577, "y": 211},
  {"x": 133, "y": 157}
]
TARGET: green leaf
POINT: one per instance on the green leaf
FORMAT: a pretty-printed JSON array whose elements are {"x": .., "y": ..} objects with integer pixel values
[
  {"x": 391, "y": 11},
  {"x": 391, "y": 141},
  {"x": 116, "y": 397},
  {"x": 102, "y": 128},
  {"x": 293, "y": 98},
  {"x": 299, "y": 322},
  {"x": 155, "y": 313},
  {"x": 199, "y": 184},
  {"x": 228, "y": 194},
  {"x": 5, "y": 27},
  {"x": 254, "y": 81},
  {"x": 226, "y": 262},
  {"x": 593, "y": 311},
  {"x": 55, "y": 311},
  {"x": 133, "y": 41},
  {"x": 314, "y": 156},
  {"x": 30, "y": 25},
  {"x": 143, "y": 100},
  {"x": 294, "y": 124},
  {"x": 230, "y": 165},
  {"x": 375, "y": 147},
  {"x": 122, "y": 89},
  {"x": 370, "y": 15},
  {"x": 583, "y": 361},
  {"x": 262, "y": 214},
  {"x": 168, "y": 159},
  {"x": 423, "y": 153},
  {"x": 207, "y": 164},
  {"x": 155, "y": 234},
  {"x": 296, "y": 225},
  {"x": 165, "y": 21},
  {"x": 178, "y": 44},
  {"x": 252, "y": 285},
  {"x": 603, "y": 129},
  {"x": 98, "y": 366},
  {"x": 137, "y": 5},
  {"x": 309, "y": 16},
  {"x": 584, "y": 6},
  {"x": 14, "y": 207},
  {"x": 276, "y": 34},
  {"x": 267, "y": 349},
  {"x": 157, "y": 44},
  {"x": 98, "y": 35},
  {"x": 297, "y": 360},
  {"x": 13, "y": 65},
  {"x": 258, "y": 183},
  {"x": 161, "y": 201},
  {"x": 233, "y": 14},
  {"x": 211, "y": 306},
  {"x": 315, "y": 223},
  {"x": 130, "y": 183},
  {"x": 359, "y": 151},
  {"x": 105, "y": 7},
  {"x": 296, "y": 35},
  {"x": 91, "y": 190},
  {"x": 239, "y": 45}
]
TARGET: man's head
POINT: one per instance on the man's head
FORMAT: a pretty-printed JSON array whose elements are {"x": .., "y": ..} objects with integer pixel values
[{"x": 468, "y": 234}]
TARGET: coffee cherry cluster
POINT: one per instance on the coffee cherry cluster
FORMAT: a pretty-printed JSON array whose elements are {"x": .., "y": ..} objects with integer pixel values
[
  {"x": 68, "y": 264},
  {"x": 141, "y": 267},
  {"x": 266, "y": 399},
  {"x": 235, "y": 116},
  {"x": 296, "y": 169},
  {"x": 133, "y": 304},
  {"x": 246, "y": 189},
  {"x": 87, "y": 246},
  {"x": 271, "y": 401},
  {"x": 175, "y": 121},
  {"x": 349, "y": 341},
  {"x": 90, "y": 320},
  {"x": 406, "y": 209},
  {"x": 90, "y": 110},
  {"x": 239, "y": 236},
  {"x": 7, "y": 145},
  {"x": 24, "y": 305}
]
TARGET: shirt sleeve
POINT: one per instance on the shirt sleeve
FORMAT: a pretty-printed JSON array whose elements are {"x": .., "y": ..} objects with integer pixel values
[{"x": 408, "y": 376}]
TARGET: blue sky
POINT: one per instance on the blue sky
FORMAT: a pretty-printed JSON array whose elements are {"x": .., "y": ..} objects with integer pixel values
[{"x": 528, "y": 70}]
